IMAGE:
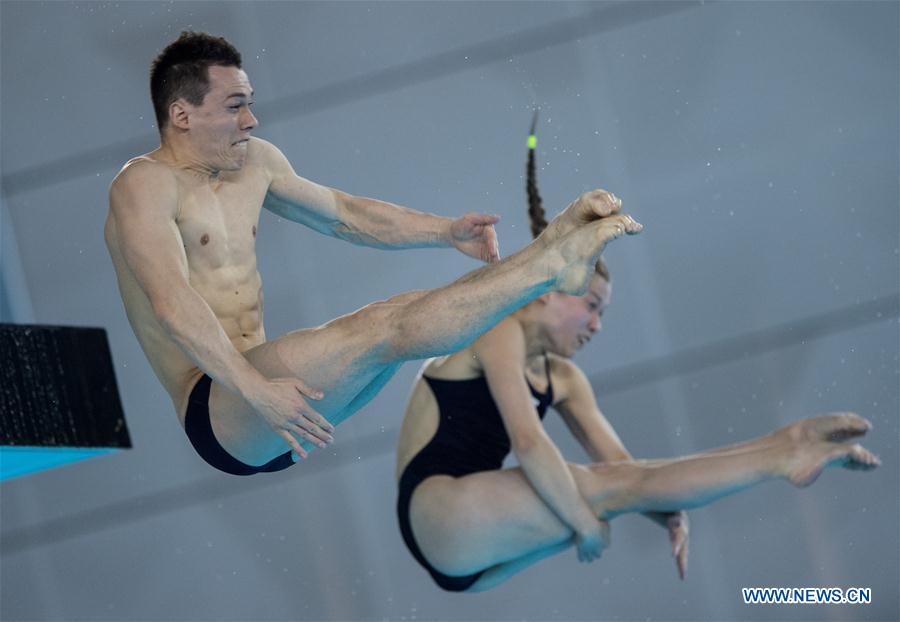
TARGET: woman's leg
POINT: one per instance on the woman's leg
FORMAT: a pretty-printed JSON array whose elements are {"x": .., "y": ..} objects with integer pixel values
[{"x": 495, "y": 522}]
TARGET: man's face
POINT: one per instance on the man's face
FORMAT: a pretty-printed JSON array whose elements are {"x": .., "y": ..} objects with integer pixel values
[
  {"x": 577, "y": 318},
  {"x": 220, "y": 127}
]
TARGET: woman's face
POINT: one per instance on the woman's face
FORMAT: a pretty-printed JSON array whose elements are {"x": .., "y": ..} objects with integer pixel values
[{"x": 573, "y": 320}]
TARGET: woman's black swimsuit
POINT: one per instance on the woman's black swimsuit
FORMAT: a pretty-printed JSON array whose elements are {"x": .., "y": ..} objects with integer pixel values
[{"x": 470, "y": 438}]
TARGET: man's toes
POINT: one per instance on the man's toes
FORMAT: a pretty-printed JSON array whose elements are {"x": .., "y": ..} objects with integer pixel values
[
  {"x": 613, "y": 203},
  {"x": 854, "y": 457},
  {"x": 845, "y": 426},
  {"x": 858, "y": 423},
  {"x": 611, "y": 228},
  {"x": 623, "y": 223},
  {"x": 632, "y": 226},
  {"x": 603, "y": 204},
  {"x": 861, "y": 458}
]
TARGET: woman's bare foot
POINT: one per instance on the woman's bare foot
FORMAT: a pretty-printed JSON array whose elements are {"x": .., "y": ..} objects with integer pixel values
[{"x": 819, "y": 442}]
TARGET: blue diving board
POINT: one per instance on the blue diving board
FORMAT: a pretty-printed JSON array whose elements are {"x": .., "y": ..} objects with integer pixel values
[{"x": 59, "y": 401}]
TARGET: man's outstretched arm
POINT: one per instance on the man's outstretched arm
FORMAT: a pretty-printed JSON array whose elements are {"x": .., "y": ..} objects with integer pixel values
[{"x": 370, "y": 222}]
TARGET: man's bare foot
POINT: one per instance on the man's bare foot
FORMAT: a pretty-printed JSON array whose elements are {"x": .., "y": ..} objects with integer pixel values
[
  {"x": 818, "y": 443},
  {"x": 587, "y": 208},
  {"x": 576, "y": 253}
]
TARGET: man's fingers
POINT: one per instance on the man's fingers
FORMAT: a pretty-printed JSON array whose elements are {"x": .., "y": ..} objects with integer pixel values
[
  {"x": 493, "y": 246},
  {"x": 307, "y": 424},
  {"x": 483, "y": 219},
  {"x": 297, "y": 451},
  {"x": 316, "y": 419},
  {"x": 308, "y": 391},
  {"x": 310, "y": 413},
  {"x": 307, "y": 435}
]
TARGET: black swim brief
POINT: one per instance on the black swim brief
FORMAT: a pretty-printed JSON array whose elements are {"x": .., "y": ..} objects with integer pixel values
[{"x": 200, "y": 433}]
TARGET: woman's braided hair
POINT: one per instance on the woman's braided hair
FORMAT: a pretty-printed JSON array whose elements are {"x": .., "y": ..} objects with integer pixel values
[{"x": 536, "y": 215}]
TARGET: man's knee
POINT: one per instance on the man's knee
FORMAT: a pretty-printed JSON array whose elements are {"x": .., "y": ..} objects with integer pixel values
[
  {"x": 401, "y": 329},
  {"x": 378, "y": 325}
]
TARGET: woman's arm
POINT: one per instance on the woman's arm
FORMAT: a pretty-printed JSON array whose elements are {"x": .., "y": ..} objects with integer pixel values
[
  {"x": 501, "y": 353},
  {"x": 578, "y": 408}
]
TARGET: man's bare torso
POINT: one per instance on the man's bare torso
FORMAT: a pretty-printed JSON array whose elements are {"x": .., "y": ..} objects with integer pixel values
[{"x": 216, "y": 225}]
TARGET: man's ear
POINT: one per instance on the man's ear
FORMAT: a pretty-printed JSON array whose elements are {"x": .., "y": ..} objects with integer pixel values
[
  {"x": 179, "y": 114},
  {"x": 544, "y": 299}
]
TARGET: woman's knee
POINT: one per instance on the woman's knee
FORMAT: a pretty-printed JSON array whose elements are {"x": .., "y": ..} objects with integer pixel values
[{"x": 616, "y": 486}]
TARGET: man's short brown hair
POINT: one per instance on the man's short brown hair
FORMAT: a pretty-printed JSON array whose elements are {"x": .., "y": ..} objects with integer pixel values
[{"x": 182, "y": 70}]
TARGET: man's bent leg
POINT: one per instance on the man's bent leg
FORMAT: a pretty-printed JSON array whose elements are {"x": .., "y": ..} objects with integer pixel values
[
  {"x": 332, "y": 358},
  {"x": 447, "y": 319},
  {"x": 349, "y": 359},
  {"x": 198, "y": 427},
  {"x": 342, "y": 357}
]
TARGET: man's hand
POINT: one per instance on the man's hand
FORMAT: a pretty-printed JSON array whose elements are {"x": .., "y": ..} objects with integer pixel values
[
  {"x": 474, "y": 235},
  {"x": 679, "y": 530},
  {"x": 284, "y": 408},
  {"x": 590, "y": 542}
]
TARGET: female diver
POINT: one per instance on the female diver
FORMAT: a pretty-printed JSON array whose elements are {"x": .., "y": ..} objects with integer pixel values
[{"x": 473, "y": 524}]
